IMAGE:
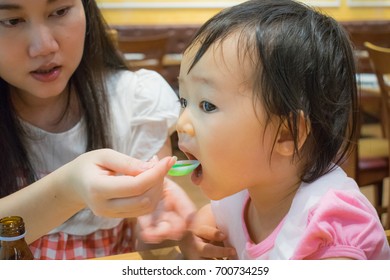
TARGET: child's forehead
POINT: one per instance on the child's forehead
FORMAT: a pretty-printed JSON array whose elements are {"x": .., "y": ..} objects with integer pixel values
[
  {"x": 232, "y": 53},
  {"x": 219, "y": 69}
]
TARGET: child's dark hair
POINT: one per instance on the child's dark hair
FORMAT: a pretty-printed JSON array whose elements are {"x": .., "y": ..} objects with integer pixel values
[
  {"x": 303, "y": 62},
  {"x": 99, "y": 58}
]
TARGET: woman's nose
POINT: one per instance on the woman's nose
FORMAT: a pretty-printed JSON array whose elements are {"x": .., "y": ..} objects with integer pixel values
[
  {"x": 42, "y": 42},
  {"x": 184, "y": 124}
]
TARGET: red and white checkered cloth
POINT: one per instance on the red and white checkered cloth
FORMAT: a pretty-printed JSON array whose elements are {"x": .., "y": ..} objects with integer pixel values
[{"x": 63, "y": 246}]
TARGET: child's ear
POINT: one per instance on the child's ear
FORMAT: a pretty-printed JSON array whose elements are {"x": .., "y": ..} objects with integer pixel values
[{"x": 285, "y": 143}]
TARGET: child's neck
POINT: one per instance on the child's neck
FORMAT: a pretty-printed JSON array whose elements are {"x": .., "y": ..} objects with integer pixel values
[{"x": 264, "y": 213}]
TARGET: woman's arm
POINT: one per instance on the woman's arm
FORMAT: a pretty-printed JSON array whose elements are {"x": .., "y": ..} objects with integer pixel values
[{"x": 91, "y": 180}]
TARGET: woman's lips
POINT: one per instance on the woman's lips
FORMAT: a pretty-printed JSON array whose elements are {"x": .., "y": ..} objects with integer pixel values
[{"x": 47, "y": 75}]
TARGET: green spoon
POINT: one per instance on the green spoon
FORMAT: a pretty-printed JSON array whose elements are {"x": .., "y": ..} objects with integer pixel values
[{"x": 183, "y": 167}]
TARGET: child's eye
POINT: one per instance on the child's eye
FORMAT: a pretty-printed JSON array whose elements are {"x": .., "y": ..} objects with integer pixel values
[
  {"x": 183, "y": 102},
  {"x": 207, "y": 106},
  {"x": 13, "y": 22}
]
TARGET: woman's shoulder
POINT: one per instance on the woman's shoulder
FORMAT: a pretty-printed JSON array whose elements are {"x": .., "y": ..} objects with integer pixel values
[
  {"x": 138, "y": 78},
  {"x": 142, "y": 85},
  {"x": 142, "y": 97}
]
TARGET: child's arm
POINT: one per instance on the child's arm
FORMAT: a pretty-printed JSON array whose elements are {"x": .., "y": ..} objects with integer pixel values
[
  {"x": 172, "y": 215},
  {"x": 171, "y": 218},
  {"x": 205, "y": 240}
]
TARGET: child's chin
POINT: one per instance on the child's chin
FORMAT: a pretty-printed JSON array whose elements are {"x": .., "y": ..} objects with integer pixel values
[{"x": 210, "y": 192}]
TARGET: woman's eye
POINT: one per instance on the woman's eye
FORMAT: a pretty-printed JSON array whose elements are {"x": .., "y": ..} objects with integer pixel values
[
  {"x": 183, "y": 102},
  {"x": 207, "y": 106},
  {"x": 11, "y": 22},
  {"x": 60, "y": 12}
]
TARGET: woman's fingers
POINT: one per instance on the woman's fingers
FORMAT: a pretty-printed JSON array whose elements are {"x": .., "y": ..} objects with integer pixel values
[
  {"x": 118, "y": 163},
  {"x": 116, "y": 192},
  {"x": 120, "y": 186}
]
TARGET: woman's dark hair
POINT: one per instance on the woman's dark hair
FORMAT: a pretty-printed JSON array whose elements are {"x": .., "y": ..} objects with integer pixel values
[
  {"x": 303, "y": 62},
  {"x": 99, "y": 58}
]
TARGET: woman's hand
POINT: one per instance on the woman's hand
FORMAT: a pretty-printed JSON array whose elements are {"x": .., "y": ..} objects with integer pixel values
[{"x": 112, "y": 184}]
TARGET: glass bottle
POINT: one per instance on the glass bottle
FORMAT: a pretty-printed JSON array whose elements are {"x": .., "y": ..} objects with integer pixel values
[{"x": 13, "y": 246}]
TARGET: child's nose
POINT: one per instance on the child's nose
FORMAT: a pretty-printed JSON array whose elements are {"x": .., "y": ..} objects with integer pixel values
[{"x": 184, "y": 124}]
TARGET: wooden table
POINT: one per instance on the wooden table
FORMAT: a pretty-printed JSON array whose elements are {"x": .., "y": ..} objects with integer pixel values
[
  {"x": 370, "y": 98},
  {"x": 167, "y": 253}
]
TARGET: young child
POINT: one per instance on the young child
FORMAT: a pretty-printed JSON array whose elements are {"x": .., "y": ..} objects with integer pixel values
[
  {"x": 65, "y": 90},
  {"x": 270, "y": 101}
]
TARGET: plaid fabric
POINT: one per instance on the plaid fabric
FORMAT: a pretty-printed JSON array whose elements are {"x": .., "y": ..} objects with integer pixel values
[{"x": 63, "y": 246}]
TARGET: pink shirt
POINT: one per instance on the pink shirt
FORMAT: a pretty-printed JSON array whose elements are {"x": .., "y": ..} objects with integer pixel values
[{"x": 328, "y": 218}]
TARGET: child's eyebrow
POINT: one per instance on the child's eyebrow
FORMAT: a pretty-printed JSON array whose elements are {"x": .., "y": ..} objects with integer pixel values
[{"x": 202, "y": 80}]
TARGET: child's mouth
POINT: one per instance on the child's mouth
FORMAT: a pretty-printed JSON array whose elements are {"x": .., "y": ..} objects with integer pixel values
[{"x": 198, "y": 172}]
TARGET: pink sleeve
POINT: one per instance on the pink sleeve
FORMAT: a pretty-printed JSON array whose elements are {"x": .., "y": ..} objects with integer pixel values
[{"x": 343, "y": 224}]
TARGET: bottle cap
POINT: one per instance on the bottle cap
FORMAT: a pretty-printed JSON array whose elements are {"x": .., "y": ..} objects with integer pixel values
[{"x": 12, "y": 228}]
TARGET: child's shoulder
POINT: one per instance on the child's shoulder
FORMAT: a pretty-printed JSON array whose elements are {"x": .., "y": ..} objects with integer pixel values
[
  {"x": 345, "y": 224},
  {"x": 336, "y": 220},
  {"x": 347, "y": 206},
  {"x": 336, "y": 200}
]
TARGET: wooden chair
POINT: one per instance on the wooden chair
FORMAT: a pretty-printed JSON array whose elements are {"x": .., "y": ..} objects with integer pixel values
[
  {"x": 113, "y": 34},
  {"x": 388, "y": 235},
  {"x": 370, "y": 169},
  {"x": 369, "y": 162},
  {"x": 380, "y": 61},
  {"x": 144, "y": 51}
]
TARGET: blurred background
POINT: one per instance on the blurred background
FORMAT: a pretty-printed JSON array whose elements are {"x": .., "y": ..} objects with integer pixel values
[{"x": 153, "y": 34}]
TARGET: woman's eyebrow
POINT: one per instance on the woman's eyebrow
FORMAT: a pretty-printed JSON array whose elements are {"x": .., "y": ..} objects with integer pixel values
[{"x": 8, "y": 6}]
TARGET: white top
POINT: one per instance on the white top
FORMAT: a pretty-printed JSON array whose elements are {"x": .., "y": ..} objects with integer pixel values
[
  {"x": 328, "y": 218},
  {"x": 144, "y": 109}
]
